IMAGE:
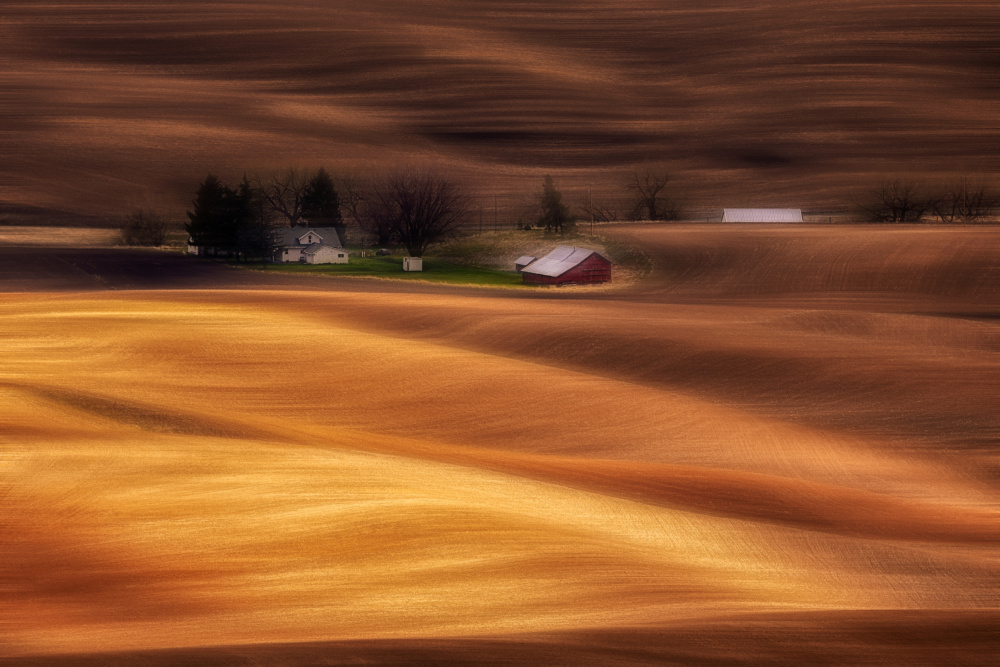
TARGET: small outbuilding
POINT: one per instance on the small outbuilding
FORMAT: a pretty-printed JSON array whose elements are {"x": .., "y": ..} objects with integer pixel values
[
  {"x": 762, "y": 215},
  {"x": 523, "y": 261},
  {"x": 568, "y": 265}
]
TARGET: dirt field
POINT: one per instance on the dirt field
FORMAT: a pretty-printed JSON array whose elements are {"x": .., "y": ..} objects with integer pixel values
[
  {"x": 67, "y": 237},
  {"x": 114, "y": 104},
  {"x": 781, "y": 448}
]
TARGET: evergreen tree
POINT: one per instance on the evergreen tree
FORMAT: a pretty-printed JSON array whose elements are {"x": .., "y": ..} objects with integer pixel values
[
  {"x": 254, "y": 223},
  {"x": 321, "y": 204},
  {"x": 210, "y": 223},
  {"x": 234, "y": 223},
  {"x": 555, "y": 215}
]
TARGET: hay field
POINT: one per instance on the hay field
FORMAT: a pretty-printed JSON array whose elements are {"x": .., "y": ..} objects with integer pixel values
[
  {"x": 794, "y": 464},
  {"x": 118, "y": 103}
]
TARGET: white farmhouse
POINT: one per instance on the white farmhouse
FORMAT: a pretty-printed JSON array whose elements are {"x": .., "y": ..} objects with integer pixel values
[{"x": 310, "y": 245}]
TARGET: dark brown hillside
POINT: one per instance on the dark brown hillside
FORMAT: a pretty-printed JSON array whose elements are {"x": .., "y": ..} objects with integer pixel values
[{"x": 793, "y": 103}]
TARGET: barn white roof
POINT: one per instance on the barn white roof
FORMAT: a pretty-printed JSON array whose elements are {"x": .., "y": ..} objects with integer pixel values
[
  {"x": 762, "y": 215},
  {"x": 559, "y": 261}
]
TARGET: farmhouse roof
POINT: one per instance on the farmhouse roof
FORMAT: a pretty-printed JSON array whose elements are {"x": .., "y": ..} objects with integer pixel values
[
  {"x": 559, "y": 261},
  {"x": 762, "y": 215},
  {"x": 289, "y": 236},
  {"x": 524, "y": 260}
]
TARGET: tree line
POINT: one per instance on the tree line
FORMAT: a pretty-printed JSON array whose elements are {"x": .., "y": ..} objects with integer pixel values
[
  {"x": 418, "y": 208},
  {"x": 411, "y": 208},
  {"x": 646, "y": 193},
  {"x": 242, "y": 221},
  {"x": 895, "y": 200},
  {"x": 902, "y": 200},
  {"x": 414, "y": 209}
]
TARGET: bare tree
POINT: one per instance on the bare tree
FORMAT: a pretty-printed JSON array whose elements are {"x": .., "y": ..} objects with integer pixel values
[
  {"x": 351, "y": 194},
  {"x": 897, "y": 200},
  {"x": 351, "y": 188},
  {"x": 598, "y": 212},
  {"x": 144, "y": 228},
  {"x": 428, "y": 208},
  {"x": 284, "y": 193},
  {"x": 649, "y": 200},
  {"x": 964, "y": 203},
  {"x": 416, "y": 208},
  {"x": 374, "y": 208}
]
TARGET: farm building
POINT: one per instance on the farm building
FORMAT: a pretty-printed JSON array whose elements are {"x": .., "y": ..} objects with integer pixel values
[
  {"x": 310, "y": 245},
  {"x": 522, "y": 262},
  {"x": 762, "y": 215},
  {"x": 568, "y": 265}
]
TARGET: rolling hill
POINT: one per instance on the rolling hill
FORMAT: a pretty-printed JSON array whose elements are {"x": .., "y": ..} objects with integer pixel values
[{"x": 797, "y": 103}]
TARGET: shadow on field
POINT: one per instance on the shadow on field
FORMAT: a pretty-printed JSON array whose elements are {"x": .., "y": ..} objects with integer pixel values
[{"x": 817, "y": 638}]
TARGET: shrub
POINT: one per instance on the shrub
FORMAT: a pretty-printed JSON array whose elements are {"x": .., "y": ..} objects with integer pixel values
[{"x": 143, "y": 228}]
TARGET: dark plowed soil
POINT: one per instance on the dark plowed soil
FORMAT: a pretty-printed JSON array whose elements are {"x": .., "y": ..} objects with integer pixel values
[{"x": 37, "y": 269}]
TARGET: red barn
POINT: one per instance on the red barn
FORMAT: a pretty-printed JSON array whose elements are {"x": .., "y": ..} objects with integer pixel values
[{"x": 568, "y": 265}]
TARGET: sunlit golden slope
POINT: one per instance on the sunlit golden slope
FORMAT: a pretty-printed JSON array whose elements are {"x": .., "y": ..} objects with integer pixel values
[{"x": 206, "y": 468}]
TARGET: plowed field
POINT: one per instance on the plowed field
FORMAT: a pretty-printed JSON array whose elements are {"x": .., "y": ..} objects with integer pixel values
[
  {"x": 780, "y": 447},
  {"x": 108, "y": 104}
]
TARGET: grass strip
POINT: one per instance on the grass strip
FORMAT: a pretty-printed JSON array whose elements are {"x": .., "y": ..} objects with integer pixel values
[{"x": 435, "y": 270}]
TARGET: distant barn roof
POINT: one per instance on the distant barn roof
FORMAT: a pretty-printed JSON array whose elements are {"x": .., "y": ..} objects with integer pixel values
[
  {"x": 559, "y": 261},
  {"x": 762, "y": 215}
]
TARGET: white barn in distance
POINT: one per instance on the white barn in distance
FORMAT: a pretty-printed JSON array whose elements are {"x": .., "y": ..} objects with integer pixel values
[{"x": 762, "y": 215}]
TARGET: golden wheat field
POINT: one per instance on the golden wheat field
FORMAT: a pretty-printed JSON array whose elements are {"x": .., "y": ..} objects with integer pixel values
[{"x": 780, "y": 448}]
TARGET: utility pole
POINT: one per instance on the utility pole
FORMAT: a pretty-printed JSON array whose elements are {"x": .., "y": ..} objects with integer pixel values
[
  {"x": 590, "y": 203},
  {"x": 496, "y": 226}
]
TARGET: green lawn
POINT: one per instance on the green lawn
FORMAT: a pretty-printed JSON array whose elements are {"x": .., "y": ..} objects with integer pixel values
[{"x": 392, "y": 267}]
